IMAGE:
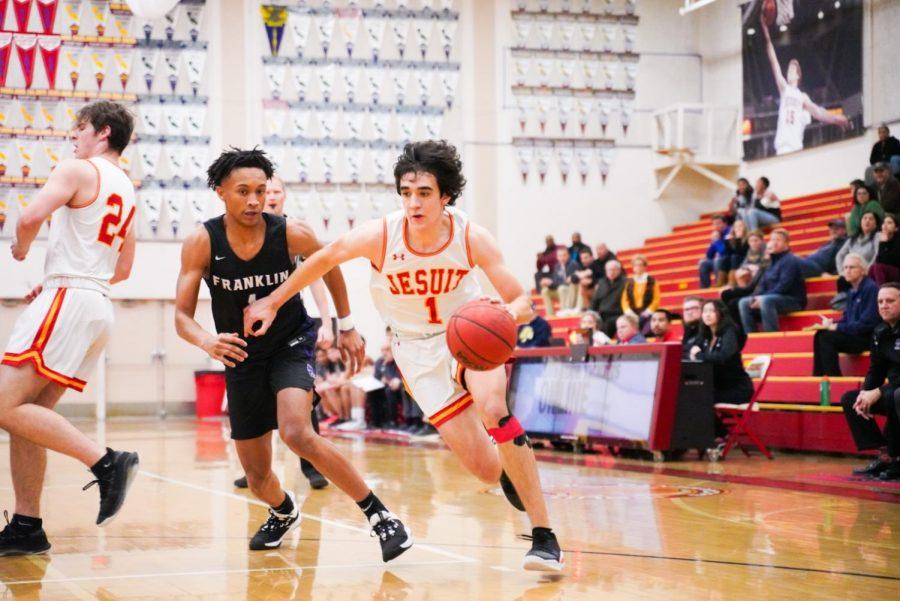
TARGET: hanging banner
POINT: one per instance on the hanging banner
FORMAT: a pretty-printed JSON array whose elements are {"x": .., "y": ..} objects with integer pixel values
[
  {"x": 564, "y": 157},
  {"x": 374, "y": 76},
  {"x": 354, "y": 122},
  {"x": 380, "y": 124},
  {"x": 26, "y": 156},
  {"x": 194, "y": 61},
  {"x": 543, "y": 110},
  {"x": 196, "y": 163},
  {"x": 542, "y": 159},
  {"x": 400, "y": 77},
  {"x": 49, "y": 47},
  {"x": 6, "y": 106},
  {"x": 275, "y": 120},
  {"x": 99, "y": 60},
  {"x": 448, "y": 35},
  {"x": 589, "y": 74},
  {"x": 72, "y": 11},
  {"x": 170, "y": 19},
  {"x": 177, "y": 155},
  {"x": 4, "y": 192},
  {"x": 326, "y": 77},
  {"x": 325, "y": 25},
  {"x": 47, "y": 111},
  {"x": 583, "y": 156},
  {"x": 566, "y": 70},
  {"x": 525, "y": 156},
  {"x": 588, "y": 33},
  {"x": 122, "y": 60},
  {"x": 274, "y": 20},
  {"x": 564, "y": 108},
  {"x": 423, "y": 29},
  {"x": 275, "y": 79},
  {"x": 545, "y": 31},
  {"x": 22, "y": 10},
  {"x": 72, "y": 58},
  {"x": 148, "y": 155},
  {"x": 4, "y": 4},
  {"x": 5, "y": 150},
  {"x": 47, "y": 12},
  {"x": 349, "y": 26},
  {"x": 352, "y": 158},
  {"x": 149, "y": 119},
  {"x": 174, "y": 207},
  {"x": 197, "y": 200},
  {"x": 523, "y": 33},
  {"x": 625, "y": 112},
  {"x": 584, "y": 113},
  {"x": 400, "y": 28},
  {"x": 194, "y": 14},
  {"x": 171, "y": 61},
  {"x": 5, "y": 48},
  {"x": 449, "y": 80},
  {"x": 327, "y": 121},
  {"x": 300, "y": 76},
  {"x": 300, "y": 120},
  {"x": 352, "y": 209},
  {"x": 121, "y": 26},
  {"x": 325, "y": 208},
  {"x": 605, "y": 157},
  {"x": 423, "y": 81},
  {"x": 54, "y": 153},
  {"x": 151, "y": 206},
  {"x": 149, "y": 60},
  {"x": 26, "y": 46},
  {"x": 100, "y": 12},
  {"x": 609, "y": 37},
  {"x": 567, "y": 34},
  {"x": 300, "y": 32},
  {"x": 375, "y": 29},
  {"x": 302, "y": 156},
  {"x": 28, "y": 109},
  {"x": 630, "y": 77},
  {"x": 408, "y": 126},
  {"x": 173, "y": 120},
  {"x": 630, "y": 38},
  {"x": 350, "y": 75},
  {"x": 125, "y": 160},
  {"x": 603, "y": 111}
]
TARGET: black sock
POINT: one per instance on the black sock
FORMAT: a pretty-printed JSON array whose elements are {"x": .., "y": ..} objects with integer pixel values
[
  {"x": 371, "y": 505},
  {"x": 105, "y": 465},
  {"x": 541, "y": 531},
  {"x": 286, "y": 507},
  {"x": 26, "y": 523}
]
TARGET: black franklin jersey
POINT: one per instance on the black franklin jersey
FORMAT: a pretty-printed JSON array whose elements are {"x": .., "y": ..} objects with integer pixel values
[{"x": 235, "y": 283}]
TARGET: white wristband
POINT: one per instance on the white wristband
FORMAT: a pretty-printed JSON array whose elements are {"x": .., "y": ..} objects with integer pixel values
[{"x": 345, "y": 323}]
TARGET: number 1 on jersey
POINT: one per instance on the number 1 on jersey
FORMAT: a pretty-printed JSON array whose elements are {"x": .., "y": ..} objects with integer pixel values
[{"x": 431, "y": 305}]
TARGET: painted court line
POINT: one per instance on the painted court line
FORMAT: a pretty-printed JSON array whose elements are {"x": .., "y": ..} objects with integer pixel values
[
  {"x": 231, "y": 571},
  {"x": 231, "y": 495}
]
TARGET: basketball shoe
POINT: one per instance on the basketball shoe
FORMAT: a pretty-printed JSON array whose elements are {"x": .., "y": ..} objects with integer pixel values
[
  {"x": 545, "y": 554},
  {"x": 395, "y": 538},
  {"x": 273, "y": 531},
  {"x": 17, "y": 539},
  {"x": 115, "y": 473}
]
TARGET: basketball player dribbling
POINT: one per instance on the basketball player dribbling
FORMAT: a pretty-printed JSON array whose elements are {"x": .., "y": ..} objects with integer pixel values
[
  {"x": 275, "y": 197},
  {"x": 422, "y": 257},
  {"x": 243, "y": 255},
  {"x": 56, "y": 341},
  {"x": 795, "y": 109}
]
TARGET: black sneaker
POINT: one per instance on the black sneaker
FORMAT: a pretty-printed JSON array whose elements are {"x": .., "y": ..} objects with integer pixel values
[
  {"x": 873, "y": 469},
  {"x": 891, "y": 472},
  {"x": 14, "y": 540},
  {"x": 316, "y": 480},
  {"x": 510, "y": 491},
  {"x": 114, "y": 486},
  {"x": 241, "y": 482},
  {"x": 545, "y": 554},
  {"x": 395, "y": 538},
  {"x": 270, "y": 534}
]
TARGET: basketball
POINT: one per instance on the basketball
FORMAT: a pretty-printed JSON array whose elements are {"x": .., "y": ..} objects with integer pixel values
[
  {"x": 481, "y": 335},
  {"x": 770, "y": 12}
]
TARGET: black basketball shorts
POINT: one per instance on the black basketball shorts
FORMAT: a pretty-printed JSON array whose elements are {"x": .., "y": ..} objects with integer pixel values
[{"x": 253, "y": 385}]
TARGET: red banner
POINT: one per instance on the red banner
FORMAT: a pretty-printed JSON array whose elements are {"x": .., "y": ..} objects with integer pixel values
[
  {"x": 5, "y": 48},
  {"x": 47, "y": 11},
  {"x": 50, "y": 46},
  {"x": 22, "y": 8},
  {"x": 26, "y": 45},
  {"x": 3, "y": 6}
]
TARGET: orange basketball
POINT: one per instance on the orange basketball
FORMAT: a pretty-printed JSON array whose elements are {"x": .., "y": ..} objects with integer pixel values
[
  {"x": 770, "y": 12},
  {"x": 481, "y": 335}
]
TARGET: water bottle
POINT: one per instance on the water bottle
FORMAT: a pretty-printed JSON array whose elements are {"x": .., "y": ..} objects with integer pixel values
[{"x": 825, "y": 392}]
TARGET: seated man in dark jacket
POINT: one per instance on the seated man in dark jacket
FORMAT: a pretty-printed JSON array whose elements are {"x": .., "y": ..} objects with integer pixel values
[
  {"x": 822, "y": 260},
  {"x": 781, "y": 288},
  {"x": 880, "y": 394},
  {"x": 885, "y": 150},
  {"x": 535, "y": 333},
  {"x": 853, "y": 332},
  {"x": 690, "y": 323},
  {"x": 607, "y": 299}
]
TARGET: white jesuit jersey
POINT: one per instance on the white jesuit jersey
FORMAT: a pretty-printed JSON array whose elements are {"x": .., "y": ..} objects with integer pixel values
[
  {"x": 792, "y": 120},
  {"x": 85, "y": 242},
  {"x": 416, "y": 293}
]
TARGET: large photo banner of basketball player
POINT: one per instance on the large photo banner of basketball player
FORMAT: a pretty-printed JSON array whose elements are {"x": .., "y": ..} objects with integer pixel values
[{"x": 802, "y": 74}]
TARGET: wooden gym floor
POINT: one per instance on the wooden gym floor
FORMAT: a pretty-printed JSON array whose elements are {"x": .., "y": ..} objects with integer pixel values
[{"x": 746, "y": 528}]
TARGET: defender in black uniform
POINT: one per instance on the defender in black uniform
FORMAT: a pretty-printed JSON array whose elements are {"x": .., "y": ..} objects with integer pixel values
[{"x": 243, "y": 255}]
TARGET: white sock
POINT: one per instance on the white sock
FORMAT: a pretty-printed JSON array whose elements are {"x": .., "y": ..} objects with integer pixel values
[{"x": 358, "y": 414}]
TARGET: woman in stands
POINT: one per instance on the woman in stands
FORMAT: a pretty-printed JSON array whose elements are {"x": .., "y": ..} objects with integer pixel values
[
  {"x": 719, "y": 343},
  {"x": 864, "y": 244},
  {"x": 738, "y": 245},
  {"x": 641, "y": 295},
  {"x": 766, "y": 208},
  {"x": 590, "y": 330},
  {"x": 863, "y": 202},
  {"x": 886, "y": 267},
  {"x": 742, "y": 199}
]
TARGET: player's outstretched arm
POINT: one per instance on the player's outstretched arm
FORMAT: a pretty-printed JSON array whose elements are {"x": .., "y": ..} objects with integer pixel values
[
  {"x": 486, "y": 254},
  {"x": 780, "y": 81},
  {"x": 364, "y": 241},
  {"x": 227, "y": 348},
  {"x": 820, "y": 114},
  {"x": 61, "y": 187}
]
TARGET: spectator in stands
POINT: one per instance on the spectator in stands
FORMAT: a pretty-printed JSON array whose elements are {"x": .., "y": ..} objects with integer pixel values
[
  {"x": 887, "y": 188},
  {"x": 590, "y": 331},
  {"x": 534, "y": 334},
  {"x": 738, "y": 243},
  {"x": 557, "y": 284},
  {"x": 387, "y": 372},
  {"x": 661, "y": 326},
  {"x": 577, "y": 245},
  {"x": 607, "y": 299},
  {"x": 880, "y": 394},
  {"x": 863, "y": 202},
  {"x": 885, "y": 150},
  {"x": 747, "y": 276},
  {"x": 742, "y": 199},
  {"x": 690, "y": 322},
  {"x": 584, "y": 279},
  {"x": 719, "y": 343},
  {"x": 781, "y": 288},
  {"x": 627, "y": 330},
  {"x": 716, "y": 249},
  {"x": 641, "y": 295},
  {"x": 546, "y": 259},
  {"x": 886, "y": 267},
  {"x": 602, "y": 256},
  {"x": 852, "y": 333},
  {"x": 823, "y": 260},
  {"x": 864, "y": 244},
  {"x": 766, "y": 209}
]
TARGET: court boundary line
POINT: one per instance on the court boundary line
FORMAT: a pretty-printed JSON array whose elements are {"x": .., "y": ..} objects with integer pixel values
[{"x": 251, "y": 501}]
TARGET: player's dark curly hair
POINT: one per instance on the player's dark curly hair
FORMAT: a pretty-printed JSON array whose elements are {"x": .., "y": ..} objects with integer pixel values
[
  {"x": 235, "y": 158},
  {"x": 436, "y": 157}
]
